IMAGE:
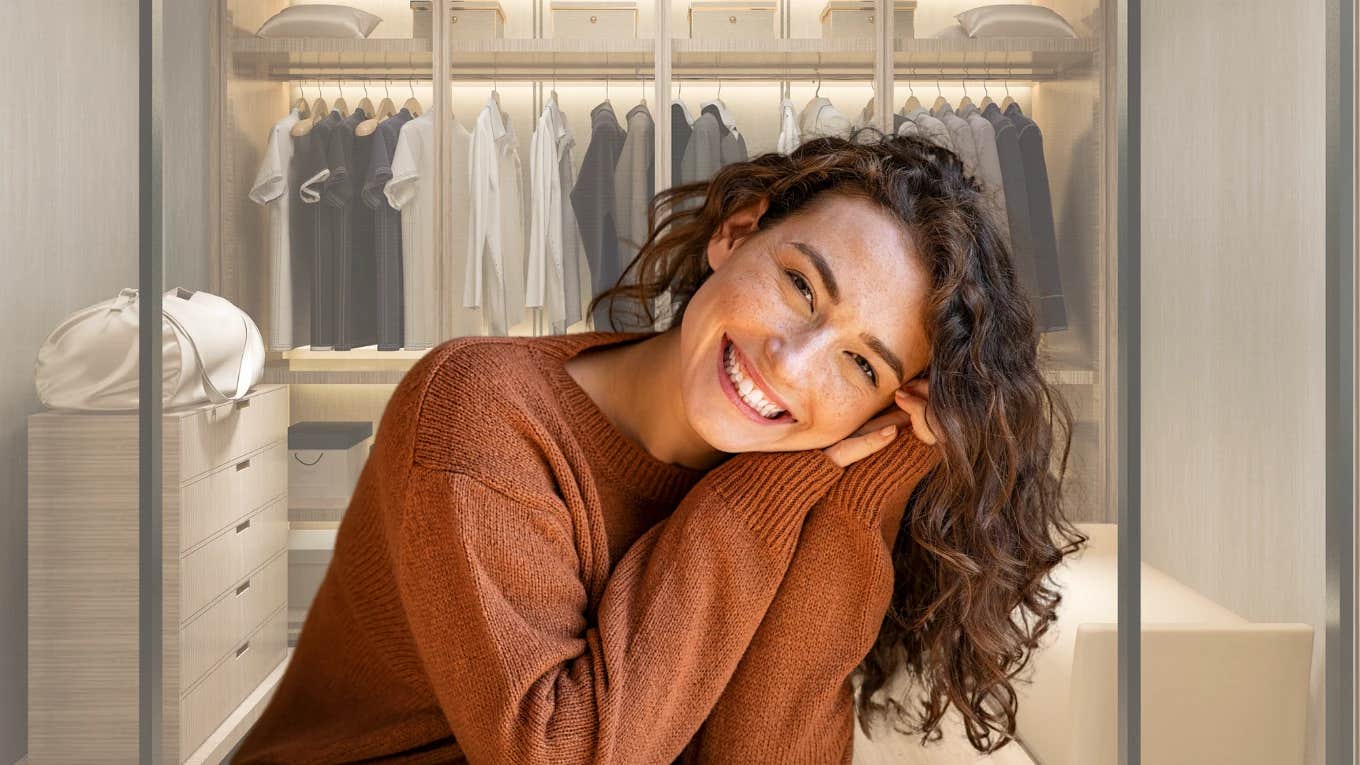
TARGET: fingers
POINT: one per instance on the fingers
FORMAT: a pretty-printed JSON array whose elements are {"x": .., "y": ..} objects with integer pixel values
[
  {"x": 913, "y": 397},
  {"x": 856, "y": 447}
]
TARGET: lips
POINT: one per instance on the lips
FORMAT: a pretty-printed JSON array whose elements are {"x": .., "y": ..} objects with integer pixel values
[{"x": 725, "y": 381}]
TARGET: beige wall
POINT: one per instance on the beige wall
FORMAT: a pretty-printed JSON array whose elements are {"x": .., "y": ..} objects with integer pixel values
[{"x": 1233, "y": 160}]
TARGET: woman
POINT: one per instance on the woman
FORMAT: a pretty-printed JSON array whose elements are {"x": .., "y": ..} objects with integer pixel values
[{"x": 643, "y": 547}]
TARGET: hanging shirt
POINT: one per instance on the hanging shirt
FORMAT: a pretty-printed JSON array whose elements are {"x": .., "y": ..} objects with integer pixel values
[
  {"x": 321, "y": 190},
  {"x": 411, "y": 192},
  {"x": 989, "y": 165},
  {"x": 271, "y": 190},
  {"x": 485, "y": 283},
  {"x": 592, "y": 199},
  {"x": 788, "y": 128},
  {"x": 514, "y": 222},
  {"x": 681, "y": 128},
  {"x": 820, "y": 118},
  {"x": 1017, "y": 200},
  {"x": 386, "y": 232},
  {"x": 961, "y": 135},
  {"x": 920, "y": 122},
  {"x": 356, "y": 293},
  {"x": 575, "y": 269},
  {"x": 1052, "y": 309},
  {"x": 545, "y": 271}
]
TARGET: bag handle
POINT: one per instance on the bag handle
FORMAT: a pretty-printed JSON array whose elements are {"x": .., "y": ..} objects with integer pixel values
[{"x": 215, "y": 395}]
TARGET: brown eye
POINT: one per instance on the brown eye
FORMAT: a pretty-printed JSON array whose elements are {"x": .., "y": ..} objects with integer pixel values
[
  {"x": 801, "y": 285},
  {"x": 867, "y": 367}
]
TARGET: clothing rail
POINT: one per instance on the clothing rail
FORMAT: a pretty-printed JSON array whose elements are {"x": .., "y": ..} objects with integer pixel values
[{"x": 598, "y": 74}]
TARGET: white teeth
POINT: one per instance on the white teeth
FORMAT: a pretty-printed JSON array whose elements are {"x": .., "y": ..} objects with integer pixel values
[{"x": 747, "y": 389}]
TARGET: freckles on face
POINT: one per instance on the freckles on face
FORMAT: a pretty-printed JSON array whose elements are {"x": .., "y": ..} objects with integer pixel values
[{"x": 809, "y": 336}]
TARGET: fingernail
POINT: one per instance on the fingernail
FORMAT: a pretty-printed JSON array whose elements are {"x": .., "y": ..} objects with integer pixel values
[{"x": 888, "y": 431}]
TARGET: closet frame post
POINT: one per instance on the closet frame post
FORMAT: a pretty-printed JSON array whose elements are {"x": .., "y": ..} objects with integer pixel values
[
  {"x": 1340, "y": 396},
  {"x": 884, "y": 68},
  {"x": 661, "y": 83},
  {"x": 441, "y": 80}
]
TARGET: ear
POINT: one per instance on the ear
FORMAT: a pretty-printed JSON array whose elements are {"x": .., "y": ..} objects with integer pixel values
[{"x": 742, "y": 223}]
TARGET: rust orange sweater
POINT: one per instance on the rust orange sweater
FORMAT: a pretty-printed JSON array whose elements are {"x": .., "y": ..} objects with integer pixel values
[{"x": 516, "y": 581}]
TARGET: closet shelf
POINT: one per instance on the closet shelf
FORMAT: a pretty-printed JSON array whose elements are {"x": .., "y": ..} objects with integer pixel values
[
  {"x": 291, "y": 58},
  {"x": 577, "y": 59}
]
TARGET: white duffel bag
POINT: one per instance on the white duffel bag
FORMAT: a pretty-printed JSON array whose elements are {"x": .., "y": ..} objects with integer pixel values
[{"x": 211, "y": 351}]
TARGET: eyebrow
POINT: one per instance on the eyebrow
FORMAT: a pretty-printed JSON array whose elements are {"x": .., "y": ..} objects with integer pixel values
[{"x": 820, "y": 263}]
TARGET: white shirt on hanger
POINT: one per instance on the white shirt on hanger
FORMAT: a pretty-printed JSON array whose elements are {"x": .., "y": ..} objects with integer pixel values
[
  {"x": 545, "y": 273},
  {"x": 271, "y": 190},
  {"x": 495, "y": 255},
  {"x": 788, "y": 128},
  {"x": 821, "y": 118}
]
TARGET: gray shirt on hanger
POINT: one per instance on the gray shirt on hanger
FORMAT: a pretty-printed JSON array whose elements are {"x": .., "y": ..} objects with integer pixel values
[{"x": 592, "y": 200}]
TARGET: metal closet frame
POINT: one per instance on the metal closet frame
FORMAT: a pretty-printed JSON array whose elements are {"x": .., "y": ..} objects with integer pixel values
[{"x": 1123, "y": 45}]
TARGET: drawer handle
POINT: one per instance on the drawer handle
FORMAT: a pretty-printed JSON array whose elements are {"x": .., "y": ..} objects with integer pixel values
[
  {"x": 243, "y": 464},
  {"x": 871, "y": 19},
  {"x": 592, "y": 19},
  {"x": 242, "y": 649},
  {"x": 455, "y": 19},
  {"x": 243, "y": 587},
  {"x": 243, "y": 526},
  {"x": 731, "y": 19}
]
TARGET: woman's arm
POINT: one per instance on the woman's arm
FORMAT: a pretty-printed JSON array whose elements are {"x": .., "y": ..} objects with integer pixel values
[
  {"x": 791, "y": 699},
  {"x": 490, "y": 579}
]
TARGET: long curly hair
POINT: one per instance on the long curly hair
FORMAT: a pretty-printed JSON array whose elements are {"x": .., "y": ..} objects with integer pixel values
[{"x": 971, "y": 597}]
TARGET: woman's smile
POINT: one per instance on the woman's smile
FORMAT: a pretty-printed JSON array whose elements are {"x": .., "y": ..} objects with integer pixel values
[{"x": 744, "y": 388}]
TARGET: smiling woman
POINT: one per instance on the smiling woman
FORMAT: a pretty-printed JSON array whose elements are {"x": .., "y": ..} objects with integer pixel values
[{"x": 612, "y": 547}]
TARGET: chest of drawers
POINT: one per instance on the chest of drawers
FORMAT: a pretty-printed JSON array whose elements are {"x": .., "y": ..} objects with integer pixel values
[{"x": 224, "y": 536}]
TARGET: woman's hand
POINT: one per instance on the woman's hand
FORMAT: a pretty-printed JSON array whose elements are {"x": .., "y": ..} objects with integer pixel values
[{"x": 909, "y": 406}]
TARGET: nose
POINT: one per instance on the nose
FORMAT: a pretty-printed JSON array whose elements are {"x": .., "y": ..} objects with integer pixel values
[{"x": 794, "y": 360}]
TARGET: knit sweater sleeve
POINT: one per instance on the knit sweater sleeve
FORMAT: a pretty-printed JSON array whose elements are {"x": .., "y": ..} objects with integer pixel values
[
  {"x": 791, "y": 699},
  {"x": 498, "y": 608}
]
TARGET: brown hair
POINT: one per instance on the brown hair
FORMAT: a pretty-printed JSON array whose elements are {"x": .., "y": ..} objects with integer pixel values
[{"x": 974, "y": 551}]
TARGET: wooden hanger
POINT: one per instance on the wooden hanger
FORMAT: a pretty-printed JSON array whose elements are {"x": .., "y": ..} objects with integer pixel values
[
  {"x": 385, "y": 107},
  {"x": 370, "y": 122},
  {"x": 412, "y": 105},
  {"x": 912, "y": 101},
  {"x": 303, "y": 127}
]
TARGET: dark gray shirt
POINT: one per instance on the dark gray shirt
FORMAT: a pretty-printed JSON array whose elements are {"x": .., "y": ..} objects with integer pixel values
[
  {"x": 592, "y": 200},
  {"x": 386, "y": 232},
  {"x": 1052, "y": 309},
  {"x": 1017, "y": 200}
]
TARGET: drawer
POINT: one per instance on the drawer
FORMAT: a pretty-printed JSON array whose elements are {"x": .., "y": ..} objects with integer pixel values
[
  {"x": 594, "y": 20},
  {"x": 224, "y": 496},
  {"x": 204, "y": 707},
  {"x": 214, "y": 436},
  {"x": 228, "y": 620},
  {"x": 731, "y": 21},
  {"x": 224, "y": 560}
]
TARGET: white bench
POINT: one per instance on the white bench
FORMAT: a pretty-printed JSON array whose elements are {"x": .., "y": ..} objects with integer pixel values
[{"x": 1215, "y": 687}]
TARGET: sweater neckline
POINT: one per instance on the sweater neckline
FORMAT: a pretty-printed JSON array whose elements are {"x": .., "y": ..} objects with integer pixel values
[{"x": 626, "y": 460}]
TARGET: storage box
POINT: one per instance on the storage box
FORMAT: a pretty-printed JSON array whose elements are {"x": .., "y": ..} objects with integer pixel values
[
  {"x": 468, "y": 19},
  {"x": 324, "y": 462},
  {"x": 594, "y": 19},
  {"x": 855, "y": 19},
  {"x": 726, "y": 20}
]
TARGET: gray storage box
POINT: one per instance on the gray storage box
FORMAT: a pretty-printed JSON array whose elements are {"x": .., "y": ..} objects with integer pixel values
[{"x": 324, "y": 463}]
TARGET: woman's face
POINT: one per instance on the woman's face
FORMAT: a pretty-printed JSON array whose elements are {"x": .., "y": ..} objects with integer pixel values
[{"x": 828, "y": 344}]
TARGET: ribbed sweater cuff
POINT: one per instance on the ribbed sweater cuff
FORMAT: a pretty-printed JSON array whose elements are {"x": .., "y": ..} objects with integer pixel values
[
  {"x": 887, "y": 475},
  {"x": 773, "y": 491}
]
